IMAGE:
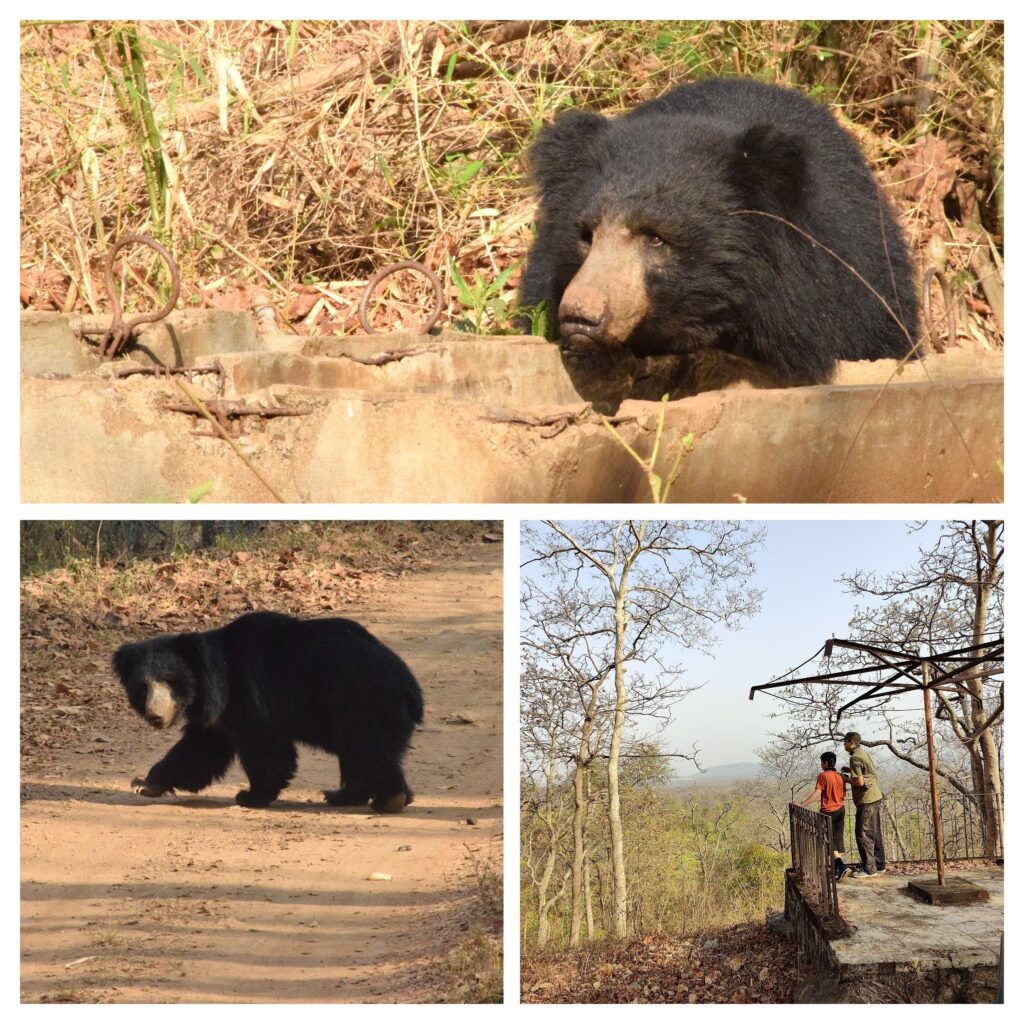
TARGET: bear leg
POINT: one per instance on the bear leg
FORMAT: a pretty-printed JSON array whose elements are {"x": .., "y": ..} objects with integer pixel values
[
  {"x": 355, "y": 790},
  {"x": 199, "y": 758},
  {"x": 144, "y": 787},
  {"x": 270, "y": 765}
]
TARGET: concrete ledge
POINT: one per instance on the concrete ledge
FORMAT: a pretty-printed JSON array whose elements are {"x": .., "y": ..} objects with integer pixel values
[
  {"x": 495, "y": 420},
  {"x": 899, "y": 949}
]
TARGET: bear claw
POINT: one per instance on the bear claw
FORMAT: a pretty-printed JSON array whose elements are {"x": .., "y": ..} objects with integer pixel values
[{"x": 145, "y": 788}]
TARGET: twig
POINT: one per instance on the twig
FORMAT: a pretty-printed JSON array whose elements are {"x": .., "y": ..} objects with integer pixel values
[{"x": 394, "y": 356}]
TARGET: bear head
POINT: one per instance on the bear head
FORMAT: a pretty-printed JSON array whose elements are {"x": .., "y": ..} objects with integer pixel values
[
  {"x": 159, "y": 680},
  {"x": 657, "y": 221}
]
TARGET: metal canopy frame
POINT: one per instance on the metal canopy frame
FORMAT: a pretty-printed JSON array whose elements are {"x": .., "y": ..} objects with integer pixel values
[{"x": 942, "y": 672}]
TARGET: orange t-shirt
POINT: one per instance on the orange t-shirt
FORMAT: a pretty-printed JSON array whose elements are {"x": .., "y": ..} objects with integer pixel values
[{"x": 833, "y": 789}]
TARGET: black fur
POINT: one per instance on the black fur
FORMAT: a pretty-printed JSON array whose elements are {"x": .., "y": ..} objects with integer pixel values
[
  {"x": 266, "y": 681},
  {"x": 699, "y": 167}
]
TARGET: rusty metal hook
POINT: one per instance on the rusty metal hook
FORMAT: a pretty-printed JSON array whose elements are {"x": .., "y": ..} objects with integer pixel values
[
  {"x": 947, "y": 298},
  {"x": 394, "y": 268},
  {"x": 118, "y": 333}
]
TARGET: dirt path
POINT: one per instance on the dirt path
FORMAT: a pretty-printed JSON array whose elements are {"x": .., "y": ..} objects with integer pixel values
[{"x": 193, "y": 899}]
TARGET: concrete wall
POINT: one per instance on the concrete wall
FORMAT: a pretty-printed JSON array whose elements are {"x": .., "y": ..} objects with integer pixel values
[{"x": 490, "y": 419}]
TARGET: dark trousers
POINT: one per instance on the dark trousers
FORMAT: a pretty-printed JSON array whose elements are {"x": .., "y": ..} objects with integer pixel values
[
  {"x": 838, "y": 819},
  {"x": 838, "y": 822},
  {"x": 868, "y": 830}
]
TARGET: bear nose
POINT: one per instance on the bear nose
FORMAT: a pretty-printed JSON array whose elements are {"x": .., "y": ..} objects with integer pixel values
[{"x": 156, "y": 721}]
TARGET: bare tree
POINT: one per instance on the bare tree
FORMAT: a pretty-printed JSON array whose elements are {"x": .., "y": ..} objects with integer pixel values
[
  {"x": 564, "y": 634},
  {"x": 544, "y": 709},
  {"x": 557, "y": 634},
  {"x": 649, "y": 589},
  {"x": 784, "y": 771}
]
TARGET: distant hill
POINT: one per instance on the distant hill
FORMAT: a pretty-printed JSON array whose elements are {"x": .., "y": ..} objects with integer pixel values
[{"x": 720, "y": 774}]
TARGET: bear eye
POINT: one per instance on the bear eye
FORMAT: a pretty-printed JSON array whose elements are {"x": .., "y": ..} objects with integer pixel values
[
  {"x": 586, "y": 234},
  {"x": 652, "y": 238}
]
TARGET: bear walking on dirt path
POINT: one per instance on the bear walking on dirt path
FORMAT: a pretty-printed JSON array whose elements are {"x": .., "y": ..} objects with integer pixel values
[
  {"x": 701, "y": 219},
  {"x": 264, "y": 682}
]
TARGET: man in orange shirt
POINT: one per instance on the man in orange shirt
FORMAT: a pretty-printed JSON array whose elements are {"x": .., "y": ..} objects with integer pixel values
[{"x": 832, "y": 787}]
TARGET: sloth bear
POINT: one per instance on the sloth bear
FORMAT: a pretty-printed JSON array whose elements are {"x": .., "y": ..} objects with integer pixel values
[
  {"x": 701, "y": 219},
  {"x": 264, "y": 682}
]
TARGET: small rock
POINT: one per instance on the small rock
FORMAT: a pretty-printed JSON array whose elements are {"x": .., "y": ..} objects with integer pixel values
[{"x": 460, "y": 718}]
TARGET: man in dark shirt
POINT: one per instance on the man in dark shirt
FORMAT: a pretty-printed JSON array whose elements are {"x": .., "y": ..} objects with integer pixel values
[{"x": 867, "y": 798}]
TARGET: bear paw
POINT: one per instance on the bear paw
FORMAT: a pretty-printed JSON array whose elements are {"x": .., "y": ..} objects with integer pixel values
[
  {"x": 245, "y": 798},
  {"x": 146, "y": 788},
  {"x": 393, "y": 804}
]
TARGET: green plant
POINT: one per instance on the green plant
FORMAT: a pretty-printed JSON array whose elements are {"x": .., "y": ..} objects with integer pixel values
[
  {"x": 132, "y": 95},
  {"x": 483, "y": 299},
  {"x": 660, "y": 486},
  {"x": 537, "y": 316},
  {"x": 456, "y": 173},
  {"x": 197, "y": 494}
]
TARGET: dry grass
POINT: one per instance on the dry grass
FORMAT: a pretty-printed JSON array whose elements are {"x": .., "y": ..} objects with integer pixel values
[
  {"x": 300, "y": 157},
  {"x": 474, "y": 968}
]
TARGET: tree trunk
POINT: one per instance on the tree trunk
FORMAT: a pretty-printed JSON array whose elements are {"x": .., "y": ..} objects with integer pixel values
[
  {"x": 620, "y": 922},
  {"x": 985, "y": 751},
  {"x": 588, "y": 899},
  {"x": 543, "y": 903},
  {"x": 579, "y": 815},
  {"x": 620, "y": 925}
]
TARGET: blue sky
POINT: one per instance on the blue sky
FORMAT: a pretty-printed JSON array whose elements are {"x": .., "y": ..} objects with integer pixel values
[{"x": 803, "y": 605}]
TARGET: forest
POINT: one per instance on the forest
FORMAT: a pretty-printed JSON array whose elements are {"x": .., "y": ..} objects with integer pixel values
[{"x": 619, "y": 854}]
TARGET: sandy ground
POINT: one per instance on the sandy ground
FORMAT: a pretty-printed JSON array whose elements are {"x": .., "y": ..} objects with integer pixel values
[{"x": 193, "y": 899}]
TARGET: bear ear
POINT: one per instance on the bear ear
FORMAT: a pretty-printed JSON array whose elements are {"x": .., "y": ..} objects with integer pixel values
[
  {"x": 566, "y": 150},
  {"x": 770, "y": 167},
  {"x": 125, "y": 658}
]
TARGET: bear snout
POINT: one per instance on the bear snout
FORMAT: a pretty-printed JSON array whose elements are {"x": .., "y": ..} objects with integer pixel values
[
  {"x": 161, "y": 705},
  {"x": 607, "y": 299}
]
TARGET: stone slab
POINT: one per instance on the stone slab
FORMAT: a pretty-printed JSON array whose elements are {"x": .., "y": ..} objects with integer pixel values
[
  {"x": 953, "y": 891},
  {"x": 892, "y": 927}
]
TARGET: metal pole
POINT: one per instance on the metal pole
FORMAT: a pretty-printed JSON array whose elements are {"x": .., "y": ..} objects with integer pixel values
[{"x": 932, "y": 776}]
